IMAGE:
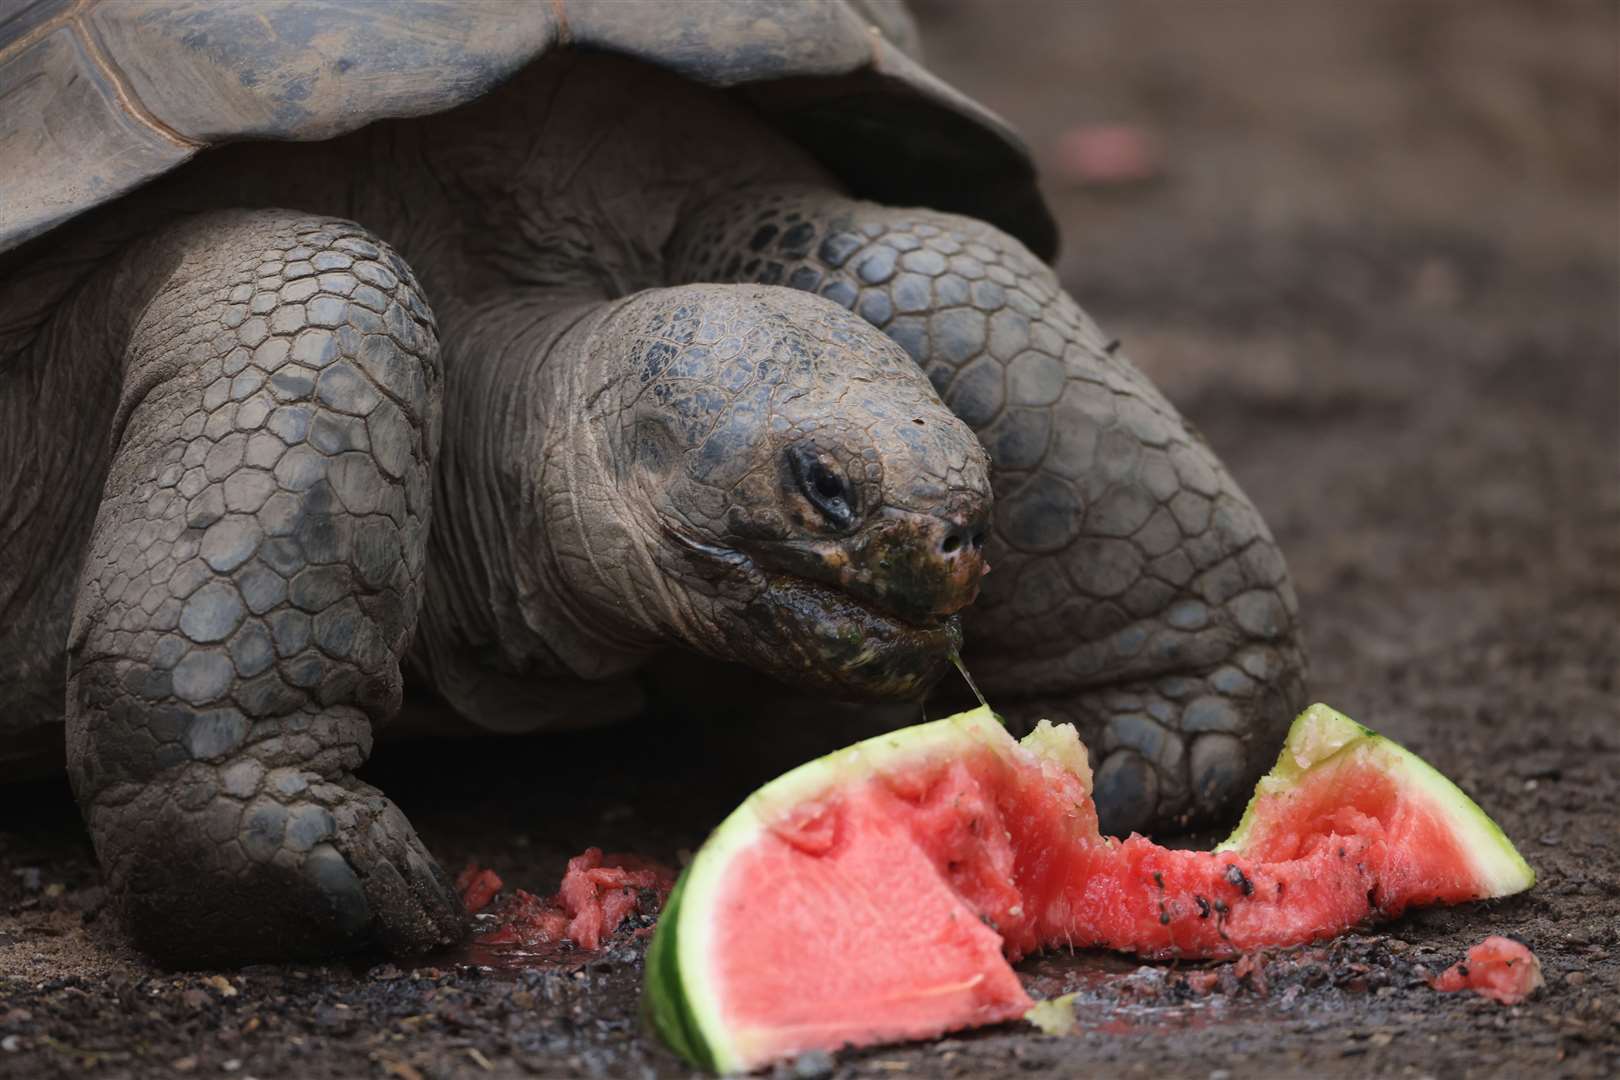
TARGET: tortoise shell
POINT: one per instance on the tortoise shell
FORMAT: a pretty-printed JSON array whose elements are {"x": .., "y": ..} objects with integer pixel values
[{"x": 100, "y": 96}]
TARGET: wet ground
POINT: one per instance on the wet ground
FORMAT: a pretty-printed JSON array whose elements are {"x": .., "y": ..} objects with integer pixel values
[{"x": 1376, "y": 261}]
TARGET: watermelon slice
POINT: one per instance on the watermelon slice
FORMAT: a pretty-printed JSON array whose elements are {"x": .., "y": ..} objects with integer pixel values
[{"x": 879, "y": 893}]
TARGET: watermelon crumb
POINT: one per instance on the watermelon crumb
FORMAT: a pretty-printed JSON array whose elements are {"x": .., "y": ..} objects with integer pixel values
[
  {"x": 597, "y": 895},
  {"x": 1247, "y": 975},
  {"x": 1054, "y": 1016},
  {"x": 1499, "y": 968},
  {"x": 477, "y": 887},
  {"x": 1251, "y": 969}
]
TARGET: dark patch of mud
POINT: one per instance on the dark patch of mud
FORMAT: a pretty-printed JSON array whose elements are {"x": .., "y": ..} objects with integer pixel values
[{"x": 1380, "y": 272}]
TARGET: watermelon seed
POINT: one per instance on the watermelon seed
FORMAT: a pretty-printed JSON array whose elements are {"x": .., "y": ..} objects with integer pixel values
[
  {"x": 1203, "y": 906},
  {"x": 1158, "y": 879},
  {"x": 1235, "y": 876}
]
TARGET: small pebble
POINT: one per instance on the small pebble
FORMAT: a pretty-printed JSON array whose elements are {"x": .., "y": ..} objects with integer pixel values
[{"x": 815, "y": 1065}]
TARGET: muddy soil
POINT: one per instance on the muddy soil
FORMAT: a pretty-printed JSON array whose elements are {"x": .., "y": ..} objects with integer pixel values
[{"x": 1377, "y": 263}]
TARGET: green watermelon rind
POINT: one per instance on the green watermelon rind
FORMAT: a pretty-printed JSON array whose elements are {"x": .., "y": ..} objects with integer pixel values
[
  {"x": 678, "y": 1006},
  {"x": 665, "y": 1006},
  {"x": 1321, "y": 736}
]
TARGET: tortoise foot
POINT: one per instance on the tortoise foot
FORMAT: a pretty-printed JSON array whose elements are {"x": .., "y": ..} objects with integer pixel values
[
  {"x": 1184, "y": 750},
  {"x": 273, "y": 864}
]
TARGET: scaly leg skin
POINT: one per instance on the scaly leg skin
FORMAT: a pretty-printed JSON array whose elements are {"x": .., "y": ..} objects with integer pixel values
[
  {"x": 1136, "y": 591},
  {"x": 251, "y": 584}
]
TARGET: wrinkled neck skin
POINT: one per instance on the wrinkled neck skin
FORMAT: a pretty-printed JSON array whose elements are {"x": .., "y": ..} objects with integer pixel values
[
  {"x": 550, "y": 556},
  {"x": 515, "y": 484},
  {"x": 603, "y": 549}
]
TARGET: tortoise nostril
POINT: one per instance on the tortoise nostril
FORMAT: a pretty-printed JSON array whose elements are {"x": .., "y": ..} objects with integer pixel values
[{"x": 964, "y": 537}]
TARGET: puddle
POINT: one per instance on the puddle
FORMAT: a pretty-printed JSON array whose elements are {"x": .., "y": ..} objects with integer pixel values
[{"x": 512, "y": 959}]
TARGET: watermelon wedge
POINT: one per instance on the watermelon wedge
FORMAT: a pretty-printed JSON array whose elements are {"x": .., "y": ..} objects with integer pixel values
[{"x": 879, "y": 893}]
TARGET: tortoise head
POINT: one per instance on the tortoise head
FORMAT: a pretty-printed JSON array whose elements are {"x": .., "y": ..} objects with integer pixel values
[{"x": 810, "y": 505}]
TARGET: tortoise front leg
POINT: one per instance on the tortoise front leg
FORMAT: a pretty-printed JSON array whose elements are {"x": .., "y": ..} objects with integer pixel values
[
  {"x": 253, "y": 579},
  {"x": 1135, "y": 590}
]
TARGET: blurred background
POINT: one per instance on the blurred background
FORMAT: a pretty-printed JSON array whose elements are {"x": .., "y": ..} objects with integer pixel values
[{"x": 1373, "y": 251}]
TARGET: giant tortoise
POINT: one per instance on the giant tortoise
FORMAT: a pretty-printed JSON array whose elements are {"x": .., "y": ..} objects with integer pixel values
[{"x": 471, "y": 355}]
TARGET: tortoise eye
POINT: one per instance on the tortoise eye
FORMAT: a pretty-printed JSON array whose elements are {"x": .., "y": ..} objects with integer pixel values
[
  {"x": 821, "y": 482},
  {"x": 828, "y": 484}
]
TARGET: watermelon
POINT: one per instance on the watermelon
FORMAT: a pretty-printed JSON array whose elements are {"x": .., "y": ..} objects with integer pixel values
[{"x": 882, "y": 892}]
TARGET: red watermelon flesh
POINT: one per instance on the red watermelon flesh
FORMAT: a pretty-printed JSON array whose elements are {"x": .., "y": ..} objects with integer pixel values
[
  {"x": 598, "y": 892},
  {"x": 879, "y": 893},
  {"x": 1499, "y": 968}
]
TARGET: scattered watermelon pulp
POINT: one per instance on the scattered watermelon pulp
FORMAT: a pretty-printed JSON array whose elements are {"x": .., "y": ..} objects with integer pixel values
[
  {"x": 1499, "y": 968},
  {"x": 597, "y": 894},
  {"x": 879, "y": 893}
]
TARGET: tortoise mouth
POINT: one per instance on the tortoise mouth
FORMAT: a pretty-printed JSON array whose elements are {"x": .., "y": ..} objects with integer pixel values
[
  {"x": 838, "y": 602},
  {"x": 818, "y": 635},
  {"x": 838, "y": 642}
]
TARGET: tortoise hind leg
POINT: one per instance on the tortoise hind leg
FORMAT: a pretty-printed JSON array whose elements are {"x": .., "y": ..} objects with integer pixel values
[
  {"x": 251, "y": 583},
  {"x": 1135, "y": 590}
]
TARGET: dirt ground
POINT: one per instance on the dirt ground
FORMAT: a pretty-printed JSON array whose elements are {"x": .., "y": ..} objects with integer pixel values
[{"x": 1378, "y": 266}]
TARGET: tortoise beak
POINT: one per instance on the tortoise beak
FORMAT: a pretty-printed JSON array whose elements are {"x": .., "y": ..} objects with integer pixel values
[{"x": 922, "y": 567}]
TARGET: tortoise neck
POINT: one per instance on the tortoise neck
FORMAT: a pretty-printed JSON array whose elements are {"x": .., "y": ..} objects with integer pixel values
[{"x": 515, "y": 583}]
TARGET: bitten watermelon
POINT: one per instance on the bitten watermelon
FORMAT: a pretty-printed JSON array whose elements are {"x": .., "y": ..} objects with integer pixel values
[{"x": 880, "y": 892}]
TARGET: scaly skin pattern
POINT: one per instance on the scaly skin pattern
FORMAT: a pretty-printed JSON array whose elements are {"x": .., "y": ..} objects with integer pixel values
[
  {"x": 251, "y": 583},
  {"x": 1136, "y": 592}
]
